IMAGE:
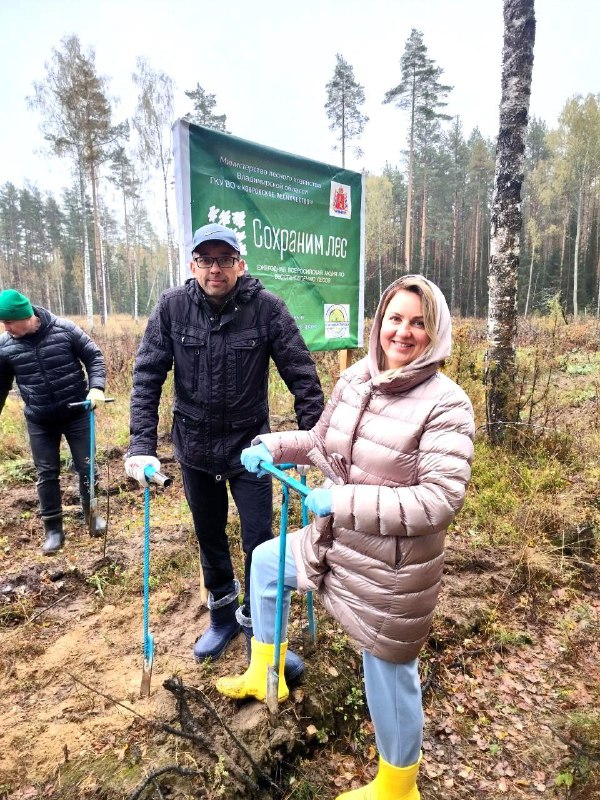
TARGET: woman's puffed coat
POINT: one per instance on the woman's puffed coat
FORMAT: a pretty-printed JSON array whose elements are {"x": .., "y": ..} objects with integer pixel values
[{"x": 399, "y": 445}]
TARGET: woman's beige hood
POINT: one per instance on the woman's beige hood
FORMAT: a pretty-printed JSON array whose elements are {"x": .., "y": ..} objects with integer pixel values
[{"x": 428, "y": 361}]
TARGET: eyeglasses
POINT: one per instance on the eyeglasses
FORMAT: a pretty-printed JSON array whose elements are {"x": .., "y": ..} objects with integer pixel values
[{"x": 224, "y": 262}]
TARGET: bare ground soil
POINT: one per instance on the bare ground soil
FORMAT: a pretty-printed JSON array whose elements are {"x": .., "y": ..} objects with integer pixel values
[{"x": 511, "y": 674}]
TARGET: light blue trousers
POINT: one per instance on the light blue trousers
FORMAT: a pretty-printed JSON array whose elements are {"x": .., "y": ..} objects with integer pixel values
[{"x": 393, "y": 690}]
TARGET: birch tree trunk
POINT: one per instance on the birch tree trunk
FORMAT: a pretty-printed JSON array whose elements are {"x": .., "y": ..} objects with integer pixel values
[
  {"x": 506, "y": 216},
  {"x": 168, "y": 225},
  {"x": 87, "y": 270},
  {"x": 453, "y": 253},
  {"x": 577, "y": 246},
  {"x": 100, "y": 282}
]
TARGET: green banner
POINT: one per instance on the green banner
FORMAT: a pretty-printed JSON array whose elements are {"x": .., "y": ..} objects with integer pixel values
[{"x": 300, "y": 222}]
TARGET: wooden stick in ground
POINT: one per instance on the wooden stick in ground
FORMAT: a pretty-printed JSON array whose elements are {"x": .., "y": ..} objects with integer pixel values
[{"x": 346, "y": 358}]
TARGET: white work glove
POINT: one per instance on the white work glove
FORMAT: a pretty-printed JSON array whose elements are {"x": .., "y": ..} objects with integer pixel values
[
  {"x": 303, "y": 469},
  {"x": 95, "y": 396},
  {"x": 135, "y": 466}
]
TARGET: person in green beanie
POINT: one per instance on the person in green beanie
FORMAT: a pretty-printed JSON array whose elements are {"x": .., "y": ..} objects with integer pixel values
[{"x": 46, "y": 356}]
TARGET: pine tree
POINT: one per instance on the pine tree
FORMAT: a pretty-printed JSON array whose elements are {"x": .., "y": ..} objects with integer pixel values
[
  {"x": 78, "y": 123},
  {"x": 124, "y": 177},
  {"x": 344, "y": 98},
  {"x": 204, "y": 110},
  {"x": 10, "y": 236},
  {"x": 420, "y": 92},
  {"x": 457, "y": 175}
]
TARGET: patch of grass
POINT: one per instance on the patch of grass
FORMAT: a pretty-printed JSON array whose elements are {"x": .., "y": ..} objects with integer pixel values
[
  {"x": 110, "y": 575},
  {"x": 584, "y": 727},
  {"x": 580, "y": 369},
  {"x": 303, "y": 789},
  {"x": 16, "y": 612},
  {"x": 13, "y": 439},
  {"x": 505, "y": 636},
  {"x": 492, "y": 495}
]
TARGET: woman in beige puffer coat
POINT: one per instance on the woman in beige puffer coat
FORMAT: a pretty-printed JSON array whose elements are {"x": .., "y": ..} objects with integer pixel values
[{"x": 395, "y": 440}]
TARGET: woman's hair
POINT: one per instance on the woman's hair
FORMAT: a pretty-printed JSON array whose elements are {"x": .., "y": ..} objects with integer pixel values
[{"x": 417, "y": 285}]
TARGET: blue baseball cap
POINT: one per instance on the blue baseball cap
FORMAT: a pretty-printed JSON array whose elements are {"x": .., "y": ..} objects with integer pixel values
[{"x": 216, "y": 233}]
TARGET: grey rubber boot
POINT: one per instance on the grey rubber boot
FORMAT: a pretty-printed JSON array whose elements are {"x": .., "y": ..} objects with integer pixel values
[{"x": 55, "y": 537}]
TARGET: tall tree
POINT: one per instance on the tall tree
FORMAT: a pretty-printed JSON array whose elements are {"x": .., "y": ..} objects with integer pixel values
[
  {"x": 344, "y": 98},
  {"x": 10, "y": 235},
  {"x": 124, "y": 177},
  {"x": 54, "y": 223},
  {"x": 536, "y": 152},
  {"x": 203, "y": 112},
  {"x": 420, "y": 92},
  {"x": 379, "y": 238},
  {"x": 579, "y": 133},
  {"x": 78, "y": 123},
  {"x": 152, "y": 121},
  {"x": 506, "y": 219},
  {"x": 457, "y": 148}
]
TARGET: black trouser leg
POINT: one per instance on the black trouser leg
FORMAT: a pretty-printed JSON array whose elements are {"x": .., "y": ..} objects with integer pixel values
[
  {"x": 77, "y": 434},
  {"x": 207, "y": 499},
  {"x": 45, "y": 450},
  {"x": 254, "y": 500}
]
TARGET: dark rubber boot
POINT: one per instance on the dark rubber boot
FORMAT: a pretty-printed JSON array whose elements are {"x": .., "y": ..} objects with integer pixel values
[
  {"x": 222, "y": 629},
  {"x": 294, "y": 666},
  {"x": 55, "y": 537}
]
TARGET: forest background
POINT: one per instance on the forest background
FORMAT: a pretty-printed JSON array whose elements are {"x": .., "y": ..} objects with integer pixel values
[{"x": 106, "y": 240}]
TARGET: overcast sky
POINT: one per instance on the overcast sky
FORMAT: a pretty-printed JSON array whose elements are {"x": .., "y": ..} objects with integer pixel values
[{"x": 268, "y": 62}]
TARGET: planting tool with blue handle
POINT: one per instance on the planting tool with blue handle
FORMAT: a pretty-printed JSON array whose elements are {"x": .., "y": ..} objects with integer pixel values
[
  {"x": 309, "y": 628},
  {"x": 93, "y": 513},
  {"x": 287, "y": 483},
  {"x": 152, "y": 475}
]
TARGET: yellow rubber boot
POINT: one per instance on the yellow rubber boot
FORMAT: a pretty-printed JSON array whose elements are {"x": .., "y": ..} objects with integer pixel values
[
  {"x": 253, "y": 683},
  {"x": 391, "y": 783}
]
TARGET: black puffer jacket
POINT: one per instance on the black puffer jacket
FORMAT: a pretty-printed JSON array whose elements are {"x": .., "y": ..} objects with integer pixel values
[
  {"x": 221, "y": 373},
  {"x": 47, "y": 366}
]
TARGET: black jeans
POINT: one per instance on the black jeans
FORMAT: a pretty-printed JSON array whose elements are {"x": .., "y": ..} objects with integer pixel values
[
  {"x": 44, "y": 438},
  {"x": 208, "y": 502}
]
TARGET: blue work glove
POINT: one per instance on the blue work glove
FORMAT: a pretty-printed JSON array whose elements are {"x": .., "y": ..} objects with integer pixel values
[
  {"x": 252, "y": 456},
  {"x": 319, "y": 502}
]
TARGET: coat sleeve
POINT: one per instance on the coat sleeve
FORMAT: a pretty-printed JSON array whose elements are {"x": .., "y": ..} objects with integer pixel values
[
  {"x": 294, "y": 446},
  {"x": 443, "y": 471},
  {"x": 153, "y": 361},
  {"x": 295, "y": 365},
  {"x": 90, "y": 355},
  {"x": 6, "y": 381}
]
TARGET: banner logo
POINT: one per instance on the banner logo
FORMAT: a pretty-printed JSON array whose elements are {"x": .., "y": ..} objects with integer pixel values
[
  {"x": 235, "y": 220},
  {"x": 340, "y": 204},
  {"x": 337, "y": 320}
]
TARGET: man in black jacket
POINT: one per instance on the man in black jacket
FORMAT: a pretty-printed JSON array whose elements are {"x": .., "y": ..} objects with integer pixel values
[
  {"x": 219, "y": 330},
  {"x": 44, "y": 354}
]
